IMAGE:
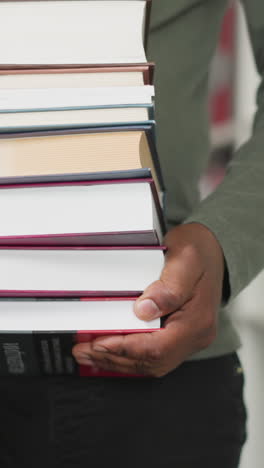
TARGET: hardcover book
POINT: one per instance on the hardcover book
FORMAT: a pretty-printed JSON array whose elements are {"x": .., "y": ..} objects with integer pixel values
[
  {"x": 81, "y": 213},
  {"x": 72, "y": 32},
  {"x": 37, "y": 336},
  {"x": 62, "y": 153},
  {"x": 78, "y": 271},
  {"x": 86, "y": 76},
  {"x": 55, "y": 98},
  {"x": 37, "y": 120}
]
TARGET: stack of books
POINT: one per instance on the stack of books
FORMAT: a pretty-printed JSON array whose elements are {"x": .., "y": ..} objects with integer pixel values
[{"x": 81, "y": 222}]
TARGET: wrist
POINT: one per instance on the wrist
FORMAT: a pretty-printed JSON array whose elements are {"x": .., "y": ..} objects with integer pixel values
[{"x": 197, "y": 237}]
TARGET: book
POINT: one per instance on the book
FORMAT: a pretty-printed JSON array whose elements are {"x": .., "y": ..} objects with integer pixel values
[
  {"x": 77, "y": 77},
  {"x": 62, "y": 153},
  {"x": 37, "y": 336},
  {"x": 55, "y": 98},
  {"x": 26, "y": 121},
  {"x": 78, "y": 271},
  {"x": 82, "y": 213},
  {"x": 72, "y": 32}
]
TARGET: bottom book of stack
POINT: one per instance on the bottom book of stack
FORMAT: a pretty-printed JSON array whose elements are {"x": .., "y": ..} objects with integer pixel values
[{"x": 37, "y": 335}]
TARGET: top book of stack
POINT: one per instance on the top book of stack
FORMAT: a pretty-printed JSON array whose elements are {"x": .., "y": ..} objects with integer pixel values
[{"x": 77, "y": 33}]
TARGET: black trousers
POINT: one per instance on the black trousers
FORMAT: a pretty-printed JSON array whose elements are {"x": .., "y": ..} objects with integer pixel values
[{"x": 192, "y": 418}]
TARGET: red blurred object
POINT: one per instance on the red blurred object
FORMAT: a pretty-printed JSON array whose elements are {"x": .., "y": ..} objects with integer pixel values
[{"x": 222, "y": 75}]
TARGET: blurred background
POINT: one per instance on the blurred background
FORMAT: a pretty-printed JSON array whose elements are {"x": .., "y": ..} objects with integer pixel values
[{"x": 233, "y": 85}]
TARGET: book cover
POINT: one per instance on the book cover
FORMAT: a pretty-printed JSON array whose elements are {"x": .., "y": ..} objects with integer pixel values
[
  {"x": 144, "y": 173},
  {"x": 92, "y": 18},
  {"x": 25, "y": 120},
  {"x": 146, "y": 69},
  {"x": 45, "y": 347},
  {"x": 22, "y": 99},
  {"x": 114, "y": 212},
  {"x": 78, "y": 271},
  {"x": 50, "y": 354},
  {"x": 16, "y": 168}
]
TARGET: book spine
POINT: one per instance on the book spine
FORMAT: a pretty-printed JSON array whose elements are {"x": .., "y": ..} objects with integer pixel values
[
  {"x": 151, "y": 137},
  {"x": 77, "y": 177},
  {"x": 131, "y": 238},
  {"x": 79, "y": 131},
  {"x": 33, "y": 354},
  {"x": 49, "y": 354},
  {"x": 64, "y": 294},
  {"x": 147, "y": 69}
]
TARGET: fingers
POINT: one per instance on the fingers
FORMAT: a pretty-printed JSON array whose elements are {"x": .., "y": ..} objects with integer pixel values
[
  {"x": 186, "y": 331},
  {"x": 130, "y": 354},
  {"x": 131, "y": 346},
  {"x": 114, "y": 363},
  {"x": 108, "y": 362},
  {"x": 174, "y": 288},
  {"x": 188, "y": 293},
  {"x": 143, "y": 353}
]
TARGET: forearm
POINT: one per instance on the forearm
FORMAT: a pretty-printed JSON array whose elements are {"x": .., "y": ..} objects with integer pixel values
[{"x": 234, "y": 211}]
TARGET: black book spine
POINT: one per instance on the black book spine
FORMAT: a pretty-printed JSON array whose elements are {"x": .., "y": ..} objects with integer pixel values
[{"x": 40, "y": 353}]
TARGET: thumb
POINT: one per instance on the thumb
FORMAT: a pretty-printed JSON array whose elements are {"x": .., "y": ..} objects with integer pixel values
[{"x": 175, "y": 287}]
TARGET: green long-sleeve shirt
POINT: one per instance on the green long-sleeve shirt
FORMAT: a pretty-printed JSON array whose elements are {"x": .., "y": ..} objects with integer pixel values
[{"x": 182, "y": 42}]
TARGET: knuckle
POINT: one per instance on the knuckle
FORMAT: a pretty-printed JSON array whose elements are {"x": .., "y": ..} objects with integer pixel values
[
  {"x": 106, "y": 363},
  {"x": 154, "y": 355},
  {"x": 141, "y": 368},
  {"x": 190, "y": 253},
  {"x": 122, "y": 352},
  {"x": 146, "y": 367},
  {"x": 173, "y": 294}
]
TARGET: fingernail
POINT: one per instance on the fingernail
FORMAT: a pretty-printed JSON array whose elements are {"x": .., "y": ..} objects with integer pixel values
[
  {"x": 88, "y": 362},
  {"x": 147, "y": 309},
  {"x": 84, "y": 356}
]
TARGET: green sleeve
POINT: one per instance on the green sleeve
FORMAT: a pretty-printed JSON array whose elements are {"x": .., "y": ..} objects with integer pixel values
[{"x": 235, "y": 211}]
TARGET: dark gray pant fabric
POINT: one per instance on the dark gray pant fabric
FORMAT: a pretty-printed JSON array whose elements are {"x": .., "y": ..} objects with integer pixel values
[{"x": 192, "y": 418}]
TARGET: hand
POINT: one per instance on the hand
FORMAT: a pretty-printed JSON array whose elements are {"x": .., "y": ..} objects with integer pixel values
[{"x": 187, "y": 295}]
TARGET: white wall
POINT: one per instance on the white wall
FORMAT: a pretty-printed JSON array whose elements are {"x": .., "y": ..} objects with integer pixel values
[
  {"x": 248, "y": 309},
  {"x": 246, "y": 82}
]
